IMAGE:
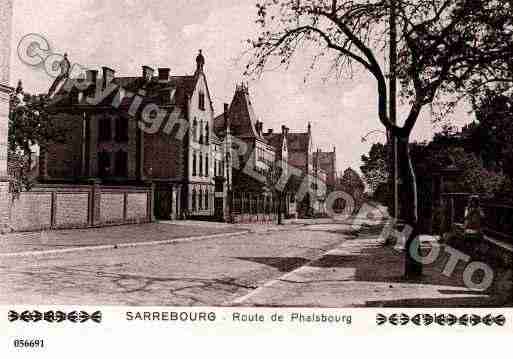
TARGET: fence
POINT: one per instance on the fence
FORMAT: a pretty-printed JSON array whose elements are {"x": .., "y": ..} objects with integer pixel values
[
  {"x": 250, "y": 207},
  {"x": 497, "y": 221},
  {"x": 80, "y": 206}
]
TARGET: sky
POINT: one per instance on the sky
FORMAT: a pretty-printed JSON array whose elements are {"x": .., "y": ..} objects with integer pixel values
[{"x": 126, "y": 34}]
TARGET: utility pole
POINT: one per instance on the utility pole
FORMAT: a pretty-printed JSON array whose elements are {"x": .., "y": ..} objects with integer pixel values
[{"x": 393, "y": 107}]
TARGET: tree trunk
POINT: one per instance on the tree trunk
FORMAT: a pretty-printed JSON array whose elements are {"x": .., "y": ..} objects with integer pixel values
[{"x": 408, "y": 213}]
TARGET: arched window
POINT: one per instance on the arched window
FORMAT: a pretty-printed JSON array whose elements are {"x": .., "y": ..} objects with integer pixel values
[
  {"x": 194, "y": 160},
  {"x": 201, "y": 165},
  {"x": 195, "y": 130},
  {"x": 200, "y": 199},
  {"x": 121, "y": 164},
  {"x": 201, "y": 101},
  {"x": 201, "y": 133}
]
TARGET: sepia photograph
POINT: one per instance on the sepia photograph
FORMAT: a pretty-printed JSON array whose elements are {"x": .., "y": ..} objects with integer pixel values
[{"x": 306, "y": 154}]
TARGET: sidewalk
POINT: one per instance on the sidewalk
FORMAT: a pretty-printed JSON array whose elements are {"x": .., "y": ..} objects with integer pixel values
[
  {"x": 364, "y": 272},
  {"x": 116, "y": 235}
]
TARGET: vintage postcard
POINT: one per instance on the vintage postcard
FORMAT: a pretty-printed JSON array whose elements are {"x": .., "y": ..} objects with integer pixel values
[{"x": 281, "y": 168}]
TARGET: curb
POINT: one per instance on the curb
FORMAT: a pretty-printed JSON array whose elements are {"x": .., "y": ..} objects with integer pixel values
[{"x": 120, "y": 245}]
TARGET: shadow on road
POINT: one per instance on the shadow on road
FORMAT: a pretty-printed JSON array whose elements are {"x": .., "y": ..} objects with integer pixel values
[{"x": 283, "y": 264}]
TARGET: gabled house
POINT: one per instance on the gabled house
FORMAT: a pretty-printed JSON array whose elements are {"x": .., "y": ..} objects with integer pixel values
[
  {"x": 155, "y": 127},
  {"x": 255, "y": 155}
]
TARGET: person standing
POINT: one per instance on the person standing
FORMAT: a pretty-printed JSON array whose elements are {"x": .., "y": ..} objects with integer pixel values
[{"x": 473, "y": 217}]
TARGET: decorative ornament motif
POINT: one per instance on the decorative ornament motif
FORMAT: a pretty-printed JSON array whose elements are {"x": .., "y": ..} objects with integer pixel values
[
  {"x": 442, "y": 319},
  {"x": 54, "y": 316}
]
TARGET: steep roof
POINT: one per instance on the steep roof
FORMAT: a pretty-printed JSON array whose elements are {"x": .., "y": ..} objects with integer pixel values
[
  {"x": 325, "y": 157},
  {"x": 326, "y": 160},
  {"x": 298, "y": 141},
  {"x": 171, "y": 92},
  {"x": 274, "y": 139},
  {"x": 220, "y": 125},
  {"x": 242, "y": 115}
]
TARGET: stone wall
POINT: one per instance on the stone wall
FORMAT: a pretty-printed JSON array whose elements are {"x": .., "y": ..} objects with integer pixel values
[{"x": 74, "y": 206}]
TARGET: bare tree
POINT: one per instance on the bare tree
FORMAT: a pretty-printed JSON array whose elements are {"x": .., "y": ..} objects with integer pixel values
[{"x": 448, "y": 50}]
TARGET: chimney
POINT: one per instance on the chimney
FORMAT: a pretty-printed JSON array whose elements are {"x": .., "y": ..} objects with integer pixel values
[
  {"x": 270, "y": 131},
  {"x": 147, "y": 73},
  {"x": 284, "y": 130},
  {"x": 164, "y": 73},
  {"x": 91, "y": 78},
  {"x": 309, "y": 127},
  {"x": 108, "y": 76}
]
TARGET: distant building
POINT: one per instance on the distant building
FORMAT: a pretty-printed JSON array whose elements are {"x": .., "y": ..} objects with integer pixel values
[
  {"x": 327, "y": 161},
  {"x": 255, "y": 155}
]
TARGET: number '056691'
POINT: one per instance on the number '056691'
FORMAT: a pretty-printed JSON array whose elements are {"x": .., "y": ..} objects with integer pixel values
[{"x": 29, "y": 343}]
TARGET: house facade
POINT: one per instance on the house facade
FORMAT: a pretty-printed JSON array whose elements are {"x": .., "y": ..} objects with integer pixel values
[{"x": 154, "y": 127}]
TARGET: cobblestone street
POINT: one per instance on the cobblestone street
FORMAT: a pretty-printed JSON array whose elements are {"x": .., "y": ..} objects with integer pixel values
[{"x": 325, "y": 265}]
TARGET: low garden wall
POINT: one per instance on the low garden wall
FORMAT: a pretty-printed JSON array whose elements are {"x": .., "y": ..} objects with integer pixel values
[{"x": 80, "y": 206}]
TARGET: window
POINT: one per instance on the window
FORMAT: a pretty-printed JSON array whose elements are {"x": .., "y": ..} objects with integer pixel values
[
  {"x": 200, "y": 207},
  {"x": 194, "y": 200},
  {"x": 103, "y": 164},
  {"x": 195, "y": 130},
  {"x": 207, "y": 134},
  {"x": 104, "y": 129},
  {"x": 206, "y": 166},
  {"x": 194, "y": 160},
  {"x": 121, "y": 164},
  {"x": 206, "y": 199},
  {"x": 121, "y": 129},
  {"x": 201, "y": 165},
  {"x": 201, "y": 133},
  {"x": 201, "y": 101}
]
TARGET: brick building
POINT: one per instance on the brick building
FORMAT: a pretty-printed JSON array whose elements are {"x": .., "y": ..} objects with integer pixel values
[{"x": 149, "y": 128}]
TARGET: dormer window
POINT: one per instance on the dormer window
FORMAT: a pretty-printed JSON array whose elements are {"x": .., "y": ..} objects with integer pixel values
[{"x": 201, "y": 101}]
